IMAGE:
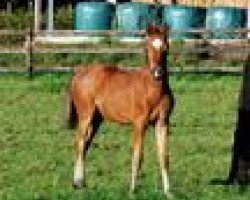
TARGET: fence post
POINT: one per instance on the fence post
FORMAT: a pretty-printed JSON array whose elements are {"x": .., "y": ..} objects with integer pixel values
[
  {"x": 29, "y": 52},
  {"x": 248, "y": 20},
  {"x": 30, "y": 41}
]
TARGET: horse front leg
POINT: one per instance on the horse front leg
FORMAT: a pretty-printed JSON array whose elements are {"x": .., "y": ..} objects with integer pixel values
[
  {"x": 161, "y": 133},
  {"x": 81, "y": 139},
  {"x": 137, "y": 146}
]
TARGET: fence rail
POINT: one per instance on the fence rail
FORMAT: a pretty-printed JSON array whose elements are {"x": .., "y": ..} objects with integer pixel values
[
  {"x": 35, "y": 42},
  {"x": 115, "y": 32}
]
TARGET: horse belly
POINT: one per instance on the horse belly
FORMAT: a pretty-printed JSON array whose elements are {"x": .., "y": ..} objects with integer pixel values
[
  {"x": 120, "y": 97},
  {"x": 116, "y": 109}
]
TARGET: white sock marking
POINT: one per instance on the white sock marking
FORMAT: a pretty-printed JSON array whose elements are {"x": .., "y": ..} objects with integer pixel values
[{"x": 78, "y": 171}]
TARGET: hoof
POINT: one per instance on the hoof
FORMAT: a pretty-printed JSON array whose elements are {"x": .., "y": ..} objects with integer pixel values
[
  {"x": 131, "y": 194},
  {"x": 169, "y": 195},
  {"x": 78, "y": 184}
]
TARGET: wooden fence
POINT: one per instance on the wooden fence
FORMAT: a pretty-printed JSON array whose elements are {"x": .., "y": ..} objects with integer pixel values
[{"x": 57, "y": 41}]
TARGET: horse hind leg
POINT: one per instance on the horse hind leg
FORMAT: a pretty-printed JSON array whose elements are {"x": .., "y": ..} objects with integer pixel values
[
  {"x": 81, "y": 138},
  {"x": 92, "y": 130},
  {"x": 84, "y": 136}
]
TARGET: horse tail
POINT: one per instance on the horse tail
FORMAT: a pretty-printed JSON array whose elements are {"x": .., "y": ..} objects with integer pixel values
[{"x": 71, "y": 114}]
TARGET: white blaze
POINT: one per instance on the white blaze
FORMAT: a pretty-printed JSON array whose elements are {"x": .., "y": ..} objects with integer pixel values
[{"x": 157, "y": 43}]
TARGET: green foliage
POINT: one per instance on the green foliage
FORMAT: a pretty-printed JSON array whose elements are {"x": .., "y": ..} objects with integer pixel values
[
  {"x": 12, "y": 40},
  {"x": 177, "y": 58},
  {"x": 65, "y": 60},
  {"x": 20, "y": 19},
  {"x": 64, "y": 18},
  {"x": 12, "y": 60},
  {"x": 36, "y": 153}
]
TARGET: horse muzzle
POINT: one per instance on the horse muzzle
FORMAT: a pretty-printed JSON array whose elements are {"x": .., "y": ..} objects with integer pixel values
[{"x": 157, "y": 73}]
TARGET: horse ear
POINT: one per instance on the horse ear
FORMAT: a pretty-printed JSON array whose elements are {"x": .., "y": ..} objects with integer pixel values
[{"x": 150, "y": 29}]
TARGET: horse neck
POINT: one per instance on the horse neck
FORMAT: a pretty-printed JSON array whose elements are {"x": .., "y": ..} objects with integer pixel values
[
  {"x": 163, "y": 59},
  {"x": 163, "y": 63},
  {"x": 164, "y": 82}
]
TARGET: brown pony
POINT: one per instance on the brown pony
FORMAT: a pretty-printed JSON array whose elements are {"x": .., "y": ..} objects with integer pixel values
[{"x": 140, "y": 97}]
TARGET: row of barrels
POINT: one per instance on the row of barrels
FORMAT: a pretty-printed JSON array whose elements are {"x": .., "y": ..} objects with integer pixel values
[{"x": 136, "y": 16}]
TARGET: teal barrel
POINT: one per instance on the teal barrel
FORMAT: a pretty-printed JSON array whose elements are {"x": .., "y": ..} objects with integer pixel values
[
  {"x": 180, "y": 17},
  {"x": 134, "y": 16},
  {"x": 225, "y": 18},
  {"x": 93, "y": 15}
]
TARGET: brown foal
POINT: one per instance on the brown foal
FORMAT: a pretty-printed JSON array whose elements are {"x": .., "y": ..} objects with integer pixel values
[{"x": 140, "y": 97}]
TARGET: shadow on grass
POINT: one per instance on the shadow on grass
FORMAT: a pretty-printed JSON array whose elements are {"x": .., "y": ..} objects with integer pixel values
[
  {"x": 217, "y": 181},
  {"x": 242, "y": 189}
]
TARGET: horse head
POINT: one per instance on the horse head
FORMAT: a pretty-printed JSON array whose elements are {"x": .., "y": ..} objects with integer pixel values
[{"x": 156, "y": 49}]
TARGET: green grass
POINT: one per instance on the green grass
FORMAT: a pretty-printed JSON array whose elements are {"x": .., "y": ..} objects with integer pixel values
[
  {"x": 36, "y": 152},
  {"x": 178, "y": 60}
]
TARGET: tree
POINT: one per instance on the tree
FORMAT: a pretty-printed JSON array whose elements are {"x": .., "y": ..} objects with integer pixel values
[{"x": 240, "y": 165}]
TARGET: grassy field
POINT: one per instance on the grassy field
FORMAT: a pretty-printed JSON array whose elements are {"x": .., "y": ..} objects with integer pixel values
[{"x": 36, "y": 152}]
